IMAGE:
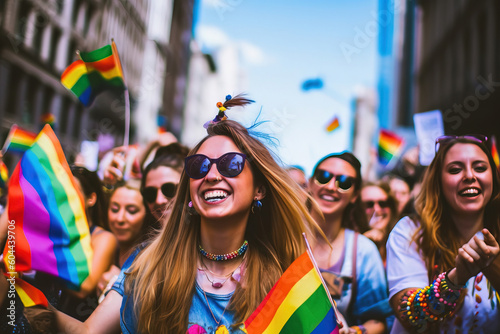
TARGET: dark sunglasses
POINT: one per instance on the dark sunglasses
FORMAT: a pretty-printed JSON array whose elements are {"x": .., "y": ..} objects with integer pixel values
[
  {"x": 167, "y": 189},
  {"x": 229, "y": 165},
  {"x": 342, "y": 182},
  {"x": 371, "y": 204},
  {"x": 482, "y": 139}
]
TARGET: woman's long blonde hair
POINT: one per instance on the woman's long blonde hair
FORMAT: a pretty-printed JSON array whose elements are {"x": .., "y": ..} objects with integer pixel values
[
  {"x": 437, "y": 237},
  {"x": 163, "y": 276}
]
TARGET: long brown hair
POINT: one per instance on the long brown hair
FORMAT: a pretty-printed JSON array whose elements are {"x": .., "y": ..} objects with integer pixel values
[
  {"x": 437, "y": 237},
  {"x": 163, "y": 276}
]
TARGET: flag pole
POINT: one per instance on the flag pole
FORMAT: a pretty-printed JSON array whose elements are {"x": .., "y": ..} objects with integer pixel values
[
  {"x": 313, "y": 260},
  {"x": 127, "y": 118},
  {"x": 126, "y": 136}
]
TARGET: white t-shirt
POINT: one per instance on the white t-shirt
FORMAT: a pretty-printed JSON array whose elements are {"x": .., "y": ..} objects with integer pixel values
[{"x": 406, "y": 269}]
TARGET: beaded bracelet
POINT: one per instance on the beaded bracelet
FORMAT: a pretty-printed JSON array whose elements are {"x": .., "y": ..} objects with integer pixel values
[{"x": 430, "y": 304}]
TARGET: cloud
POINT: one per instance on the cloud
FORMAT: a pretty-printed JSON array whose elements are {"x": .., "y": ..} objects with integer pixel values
[
  {"x": 213, "y": 3},
  {"x": 212, "y": 38},
  {"x": 252, "y": 53}
]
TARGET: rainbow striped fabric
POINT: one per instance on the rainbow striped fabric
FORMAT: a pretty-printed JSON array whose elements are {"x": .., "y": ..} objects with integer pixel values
[
  {"x": 298, "y": 303},
  {"x": 18, "y": 140},
  {"x": 389, "y": 146},
  {"x": 51, "y": 229},
  {"x": 93, "y": 73},
  {"x": 333, "y": 125},
  {"x": 4, "y": 175},
  {"x": 494, "y": 151},
  {"x": 29, "y": 295}
]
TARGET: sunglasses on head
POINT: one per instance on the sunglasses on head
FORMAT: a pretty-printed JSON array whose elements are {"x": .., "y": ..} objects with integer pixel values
[
  {"x": 381, "y": 204},
  {"x": 342, "y": 182},
  {"x": 482, "y": 139},
  {"x": 229, "y": 165},
  {"x": 167, "y": 189}
]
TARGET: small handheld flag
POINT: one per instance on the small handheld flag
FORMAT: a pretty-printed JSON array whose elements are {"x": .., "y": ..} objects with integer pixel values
[
  {"x": 52, "y": 233},
  {"x": 29, "y": 295},
  {"x": 297, "y": 303},
  {"x": 48, "y": 118},
  {"x": 494, "y": 151},
  {"x": 333, "y": 125},
  {"x": 389, "y": 146},
  {"x": 95, "y": 72},
  {"x": 18, "y": 140}
]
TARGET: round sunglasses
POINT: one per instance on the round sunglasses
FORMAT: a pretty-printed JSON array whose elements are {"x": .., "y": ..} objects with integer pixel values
[
  {"x": 342, "y": 182},
  {"x": 151, "y": 193},
  {"x": 229, "y": 165}
]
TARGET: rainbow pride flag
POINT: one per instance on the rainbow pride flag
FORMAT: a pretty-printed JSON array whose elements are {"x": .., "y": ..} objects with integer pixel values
[
  {"x": 494, "y": 151},
  {"x": 333, "y": 125},
  {"x": 51, "y": 229},
  {"x": 4, "y": 175},
  {"x": 18, "y": 140},
  {"x": 389, "y": 146},
  {"x": 95, "y": 72},
  {"x": 298, "y": 303},
  {"x": 48, "y": 118},
  {"x": 29, "y": 295}
]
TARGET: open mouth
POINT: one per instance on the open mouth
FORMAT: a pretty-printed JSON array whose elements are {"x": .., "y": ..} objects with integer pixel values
[
  {"x": 470, "y": 192},
  {"x": 328, "y": 198},
  {"x": 214, "y": 196}
]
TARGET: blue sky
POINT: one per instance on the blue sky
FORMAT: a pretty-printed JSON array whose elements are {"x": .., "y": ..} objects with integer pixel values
[{"x": 283, "y": 44}]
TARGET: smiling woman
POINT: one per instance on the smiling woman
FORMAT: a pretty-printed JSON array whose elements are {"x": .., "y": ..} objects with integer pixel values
[
  {"x": 236, "y": 225},
  {"x": 349, "y": 262},
  {"x": 440, "y": 263}
]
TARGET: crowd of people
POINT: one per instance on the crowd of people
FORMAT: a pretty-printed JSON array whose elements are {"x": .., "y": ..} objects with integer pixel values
[{"x": 196, "y": 238}]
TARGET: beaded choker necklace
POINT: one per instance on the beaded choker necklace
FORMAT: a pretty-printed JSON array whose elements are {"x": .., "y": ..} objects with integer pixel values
[{"x": 214, "y": 257}]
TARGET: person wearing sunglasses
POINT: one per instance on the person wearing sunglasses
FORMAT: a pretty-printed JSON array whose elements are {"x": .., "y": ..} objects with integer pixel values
[
  {"x": 235, "y": 226},
  {"x": 443, "y": 262},
  {"x": 381, "y": 211},
  {"x": 347, "y": 255},
  {"x": 161, "y": 177}
]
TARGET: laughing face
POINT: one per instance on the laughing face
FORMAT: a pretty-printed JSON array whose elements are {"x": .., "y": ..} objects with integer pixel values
[
  {"x": 466, "y": 179},
  {"x": 155, "y": 179},
  {"x": 330, "y": 199},
  {"x": 216, "y": 196}
]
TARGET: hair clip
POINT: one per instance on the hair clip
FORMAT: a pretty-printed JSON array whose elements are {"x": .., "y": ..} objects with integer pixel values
[{"x": 238, "y": 100}]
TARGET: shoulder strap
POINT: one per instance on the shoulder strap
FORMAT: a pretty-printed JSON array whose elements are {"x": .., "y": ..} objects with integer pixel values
[{"x": 354, "y": 285}]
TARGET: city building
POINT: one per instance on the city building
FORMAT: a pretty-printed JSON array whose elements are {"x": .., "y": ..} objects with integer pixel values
[
  {"x": 456, "y": 69},
  {"x": 40, "y": 38}
]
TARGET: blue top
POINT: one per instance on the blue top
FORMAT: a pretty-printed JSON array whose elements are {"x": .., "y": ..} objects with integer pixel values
[
  {"x": 371, "y": 300},
  {"x": 200, "y": 320}
]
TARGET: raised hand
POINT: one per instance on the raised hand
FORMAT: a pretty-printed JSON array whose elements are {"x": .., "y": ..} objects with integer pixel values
[
  {"x": 115, "y": 170},
  {"x": 476, "y": 255}
]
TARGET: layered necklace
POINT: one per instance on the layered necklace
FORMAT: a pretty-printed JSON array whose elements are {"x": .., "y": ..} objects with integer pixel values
[
  {"x": 224, "y": 277},
  {"x": 217, "y": 285}
]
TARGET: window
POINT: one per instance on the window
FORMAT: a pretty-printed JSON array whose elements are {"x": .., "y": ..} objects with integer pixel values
[{"x": 54, "y": 43}]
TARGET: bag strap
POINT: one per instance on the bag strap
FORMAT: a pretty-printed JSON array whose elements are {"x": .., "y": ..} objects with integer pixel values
[{"x": 354, "y": 285}]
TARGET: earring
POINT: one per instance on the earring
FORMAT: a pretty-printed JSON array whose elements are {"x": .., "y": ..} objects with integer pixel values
[
  {"x": 191, "y": 209},
  {"x": 256, "y": 205}
]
